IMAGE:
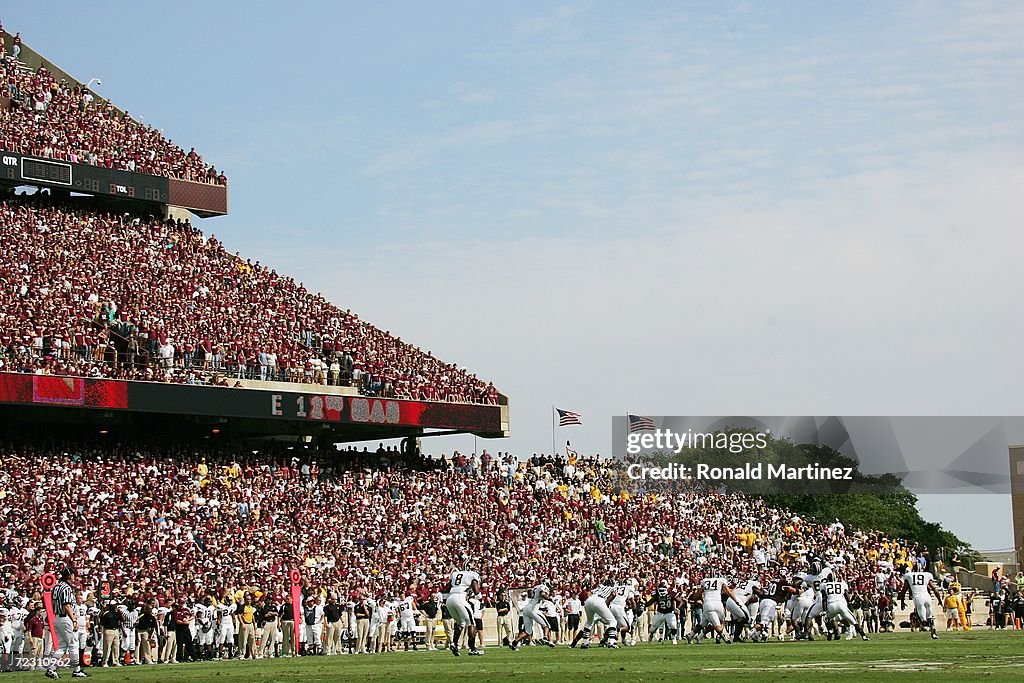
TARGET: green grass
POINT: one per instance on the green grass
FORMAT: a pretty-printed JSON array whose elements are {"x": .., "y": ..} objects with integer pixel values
[{"x": 994, "y": 655}]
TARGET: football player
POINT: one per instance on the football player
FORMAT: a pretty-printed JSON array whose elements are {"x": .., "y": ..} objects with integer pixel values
[
  {"x": 6, "y": 642},
  {"x": 774, "y": 594},
  {"x": 205, "y": 623},
  {"x": 712, "y": 617},
  {"x": 622, "y": 609},
  {"x": 17, "y": 614},
  {"x": 464, "y": 583},
  {"x": 532, "y": 615},
  {"x": 739, "y": 607},
  {"x": 225, "y": 637},
  {"x": 921, "y": 586},
  {"x": 837, "y": 608},
  {"x": 597, "y": 608},
  {"x": 407, "y": 620},
  {"x": 665, "y": 617},
  {"x": 809, "y": 602},
  {"x": 81, "y": 625}
]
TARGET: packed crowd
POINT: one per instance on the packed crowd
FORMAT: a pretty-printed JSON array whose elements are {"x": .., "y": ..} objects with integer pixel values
[
  {"x": 52, "y": 119},
  {"x": 183, "y": 553},
  {"x": 88, "y": 293},
  {"x": 166, "y": 523}
]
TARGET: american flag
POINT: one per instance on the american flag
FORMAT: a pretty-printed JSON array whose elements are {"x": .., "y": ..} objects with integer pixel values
[
  {"x": 567, "y": 417},
  {"x": 638, "y": 423}
]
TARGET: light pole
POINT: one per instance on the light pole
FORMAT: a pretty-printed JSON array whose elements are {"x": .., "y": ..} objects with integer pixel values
[{"x": 91, "y": 81}]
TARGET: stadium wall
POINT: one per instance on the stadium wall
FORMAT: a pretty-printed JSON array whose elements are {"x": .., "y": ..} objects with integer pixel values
[
  {"x": 1017, "y": 500},
  {"x": 310, "y": 405}
]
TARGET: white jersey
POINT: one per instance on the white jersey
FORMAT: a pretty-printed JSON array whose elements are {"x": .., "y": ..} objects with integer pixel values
[
  {"x": 748, "y": 588},
  {"x": 17, "y": 618},
  {"x": 407, "y": 608},
  {"x": 81, "y": 617},
  {"x": 835, "y": 592},
  {"x": 602, "y": 592},
  {"x": 712, "y": 588},
  {"x": 226, "y": 610},
  {"x": 204, "y": 616},
  {"x": 622, "y": 594},
  {"x": 918, "y": 582},
  {"x": 538, "y": 593},
  {"x": 192, "y": 619},
  {"x": 463, "y": 580},
  {"x": 812, "y": 582}
]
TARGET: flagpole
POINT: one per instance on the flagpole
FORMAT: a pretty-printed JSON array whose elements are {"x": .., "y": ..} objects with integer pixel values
[{"x": 552, "y": 430}]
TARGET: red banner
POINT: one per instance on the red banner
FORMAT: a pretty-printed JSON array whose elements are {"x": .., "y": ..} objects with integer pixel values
[
  {"x": 62, "y": 391},
  {"x": 295, "y": 576},
  {"x": 69, "y": 391},
  {"x": 48, "y": 581}
]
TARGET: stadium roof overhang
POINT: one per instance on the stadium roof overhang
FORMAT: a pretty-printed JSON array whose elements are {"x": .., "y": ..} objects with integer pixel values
[{"x": 238, "y": 412}]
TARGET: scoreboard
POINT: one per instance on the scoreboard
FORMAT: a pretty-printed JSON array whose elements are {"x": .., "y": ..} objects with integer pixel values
[
  {"x": 204, "y": 199},
  {"x": 44, "y": 171},
  {"x": 17, "y": 168}
]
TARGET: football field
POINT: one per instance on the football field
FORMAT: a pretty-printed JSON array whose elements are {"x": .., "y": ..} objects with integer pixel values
[{"x": 992, "y": 655}]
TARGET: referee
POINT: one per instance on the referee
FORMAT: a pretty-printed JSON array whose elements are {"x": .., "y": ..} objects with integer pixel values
[{"x": 65, "y": 625}]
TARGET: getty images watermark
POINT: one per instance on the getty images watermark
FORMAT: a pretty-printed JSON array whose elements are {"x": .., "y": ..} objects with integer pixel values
[
  {"x": 822, "y": 454},
  {"x": 668, "y": 441}
]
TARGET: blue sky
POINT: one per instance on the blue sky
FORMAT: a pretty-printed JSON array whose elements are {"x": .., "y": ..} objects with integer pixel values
[{"x": 666, "y": 208}]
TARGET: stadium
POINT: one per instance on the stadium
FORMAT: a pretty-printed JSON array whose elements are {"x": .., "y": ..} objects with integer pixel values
[{"x": 178, "y": 448}]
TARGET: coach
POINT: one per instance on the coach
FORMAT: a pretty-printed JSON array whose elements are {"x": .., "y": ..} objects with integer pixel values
[
  {"x": 287, "y": 615},
  {"x": 110, "y": 622},
  {"x": 268, "y": 615},
  {"x": 65, "y": 625},
  {"x": 504, "y": 608},
  {"x": 429, "y": 610},
  {"x": 362, "y": 610},
  {"x": 182, "y": 633}
]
